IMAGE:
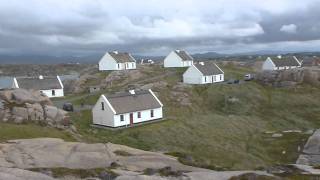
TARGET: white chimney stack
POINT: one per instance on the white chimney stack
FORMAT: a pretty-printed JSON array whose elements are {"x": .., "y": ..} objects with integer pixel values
[
  {"x": 132, "y": 92},
  {"x": 116, "y": 52},
  {"x": 279, "y": 56},
  {"x": 201, "y": 63},
  {"x": 178, "y": 50},
  {"x": 40, "y": 77}
]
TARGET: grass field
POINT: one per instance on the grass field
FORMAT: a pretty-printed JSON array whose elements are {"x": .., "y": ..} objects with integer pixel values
[
  {"x": 25, "y": 131},
  {"x": 225, "y": 126}
]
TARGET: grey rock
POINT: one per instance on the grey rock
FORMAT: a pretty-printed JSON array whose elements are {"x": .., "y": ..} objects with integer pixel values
[
  {"x": 20, "y": 174},
  {"x": 311, "y": 151},
  {"x": 276, "y": 135},
  {"x": 20, "y": 112},
  {"x": 21, "y": 96},
  {"x": 35, "y": 112}
]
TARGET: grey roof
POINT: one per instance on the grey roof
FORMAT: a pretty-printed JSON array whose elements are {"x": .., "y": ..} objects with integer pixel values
[
  {"x": 122, "y": 57},
  {"x": 285, "y": 61},
  {"x": 208, "y": 68},
  {"x": 311, "y": 61},
  {"x": 127, "y": 102},
  {"x": 38, "y": 84},
  {"x": 183, "y": 55}
]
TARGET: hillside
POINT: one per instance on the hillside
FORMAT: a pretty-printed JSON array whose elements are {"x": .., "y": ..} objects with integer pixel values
[{"x": 218, "y": 126}]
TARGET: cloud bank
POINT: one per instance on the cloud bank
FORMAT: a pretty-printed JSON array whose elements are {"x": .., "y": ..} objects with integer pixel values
[{"x": 154, "y": 27}]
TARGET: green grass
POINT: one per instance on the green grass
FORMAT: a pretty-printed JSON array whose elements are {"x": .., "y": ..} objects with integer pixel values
[
  {"x": 25, "y": 131},
  {"x": 224, "y": 127},
  {"x": 81, "y": 173}
]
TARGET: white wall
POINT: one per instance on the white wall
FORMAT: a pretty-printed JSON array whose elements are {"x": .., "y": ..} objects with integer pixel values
[
  {"x": 268, "y": 65},
  {"x": 107, "y": 117},
  {"x": 145, "y": 116},
  {"x": 187, "y": 63},
  {"x": 58, "y": 93},
  {"x": 212, "y": 79},
  {"x": 102, "y": 117},
  {"x": 130, "y": 65},
  {"x": 107, "y": 63},
  {"x": 174, "y": 60},
  {"x": 192, "y": 76}
]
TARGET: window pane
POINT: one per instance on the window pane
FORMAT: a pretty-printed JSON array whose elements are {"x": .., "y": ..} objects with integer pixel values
[{"x": 102, "y": 105}]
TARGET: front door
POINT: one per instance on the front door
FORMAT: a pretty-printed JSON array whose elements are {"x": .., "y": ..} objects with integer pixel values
[{"x": 131, "y": 118}]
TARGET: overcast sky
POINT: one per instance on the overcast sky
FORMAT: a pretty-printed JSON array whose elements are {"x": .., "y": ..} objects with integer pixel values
[{"x": 155, "y": 27}]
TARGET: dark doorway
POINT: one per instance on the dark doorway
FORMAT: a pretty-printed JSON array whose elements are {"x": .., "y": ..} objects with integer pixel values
[{"x": 131, "y": 118}]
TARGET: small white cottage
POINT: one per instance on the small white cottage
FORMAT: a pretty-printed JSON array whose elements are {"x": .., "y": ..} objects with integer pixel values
[
  {"x": 203, "y": 73},
  {"x": 125, "y": 109},
  {"x": 50, "y": 86},
  {"x": 178, "y": 58},
  {"x": 117, "y": 61},
  {"x": 281, "y": 63}
]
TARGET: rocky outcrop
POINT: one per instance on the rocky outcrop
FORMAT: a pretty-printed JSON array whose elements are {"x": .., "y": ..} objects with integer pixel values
[
  {"x": 288, "y": 78},
  {"x": 20, "y": 174},
  {"x": 311, "y": 152},
  {"x": 17, "y": 155},
  {"x": 20, "y": 105}
]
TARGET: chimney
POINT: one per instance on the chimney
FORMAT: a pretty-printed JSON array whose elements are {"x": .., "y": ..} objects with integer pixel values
[
  {"x": 279, "y": 56},
  {"x": 178, "y": 50},
  {"x": 201, "y": 63},
  {"x": 132, "y": 92},
  {"x": 40, "y": 77},
  {"x": 116, "y": 52}
]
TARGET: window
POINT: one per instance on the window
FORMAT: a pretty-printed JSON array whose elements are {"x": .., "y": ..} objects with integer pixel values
[
  {"x": 205, "y": 79},
  {"x": 53, "y": 92},
  {"x": 139, "y": 114},
  {"x": 121, "y": 117},
  {"x": 220, "y": 77},
  {"x": 102, "y": 106},
  {"x": 151, "y": 113},
  {"x": 118, "y": 66}
]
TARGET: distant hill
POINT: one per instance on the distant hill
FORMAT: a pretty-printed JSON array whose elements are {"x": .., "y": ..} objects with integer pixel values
[
  {"x": 207, "y": 55},
  {"x": 94, "y": 58}
]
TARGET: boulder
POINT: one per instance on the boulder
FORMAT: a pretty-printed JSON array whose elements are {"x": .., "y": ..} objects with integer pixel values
[
  {"x": 289, "y": 78},
  {"x": 54, "y": 115},
  {"x": 21, "y": 96},
  {"x": 20, "y": 105},
  {"x": 20, "y": 114},
  {"x": 20, "y": 174},
  {"x": 311, "y": 151},
  {"x": 35, "y": 112}
]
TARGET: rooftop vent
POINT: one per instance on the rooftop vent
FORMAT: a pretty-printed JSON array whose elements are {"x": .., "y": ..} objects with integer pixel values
[{"x": 40, "y": 77}]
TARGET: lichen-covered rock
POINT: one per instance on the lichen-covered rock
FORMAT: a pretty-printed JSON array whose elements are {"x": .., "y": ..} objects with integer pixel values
[
  {"x": 311, "y": 151},
  {"x": 21, "y": 105},
  {"x": 288, "y": 78},
  {"x": 22, "y": 96}
]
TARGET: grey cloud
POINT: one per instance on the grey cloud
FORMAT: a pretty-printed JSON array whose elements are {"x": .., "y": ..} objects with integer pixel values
[{"x": 92, "y": 28}]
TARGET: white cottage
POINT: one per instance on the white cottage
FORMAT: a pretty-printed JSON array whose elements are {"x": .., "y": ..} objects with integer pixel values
[
  {"x": 117, "y": 61},
  {"x": 178, "y": 58},
  {"x": 125, "y": 109},
  {"x": 203, "y": 73},
  {"x": 50, "y": 86},
  {"x": 281, "y": 63}
]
